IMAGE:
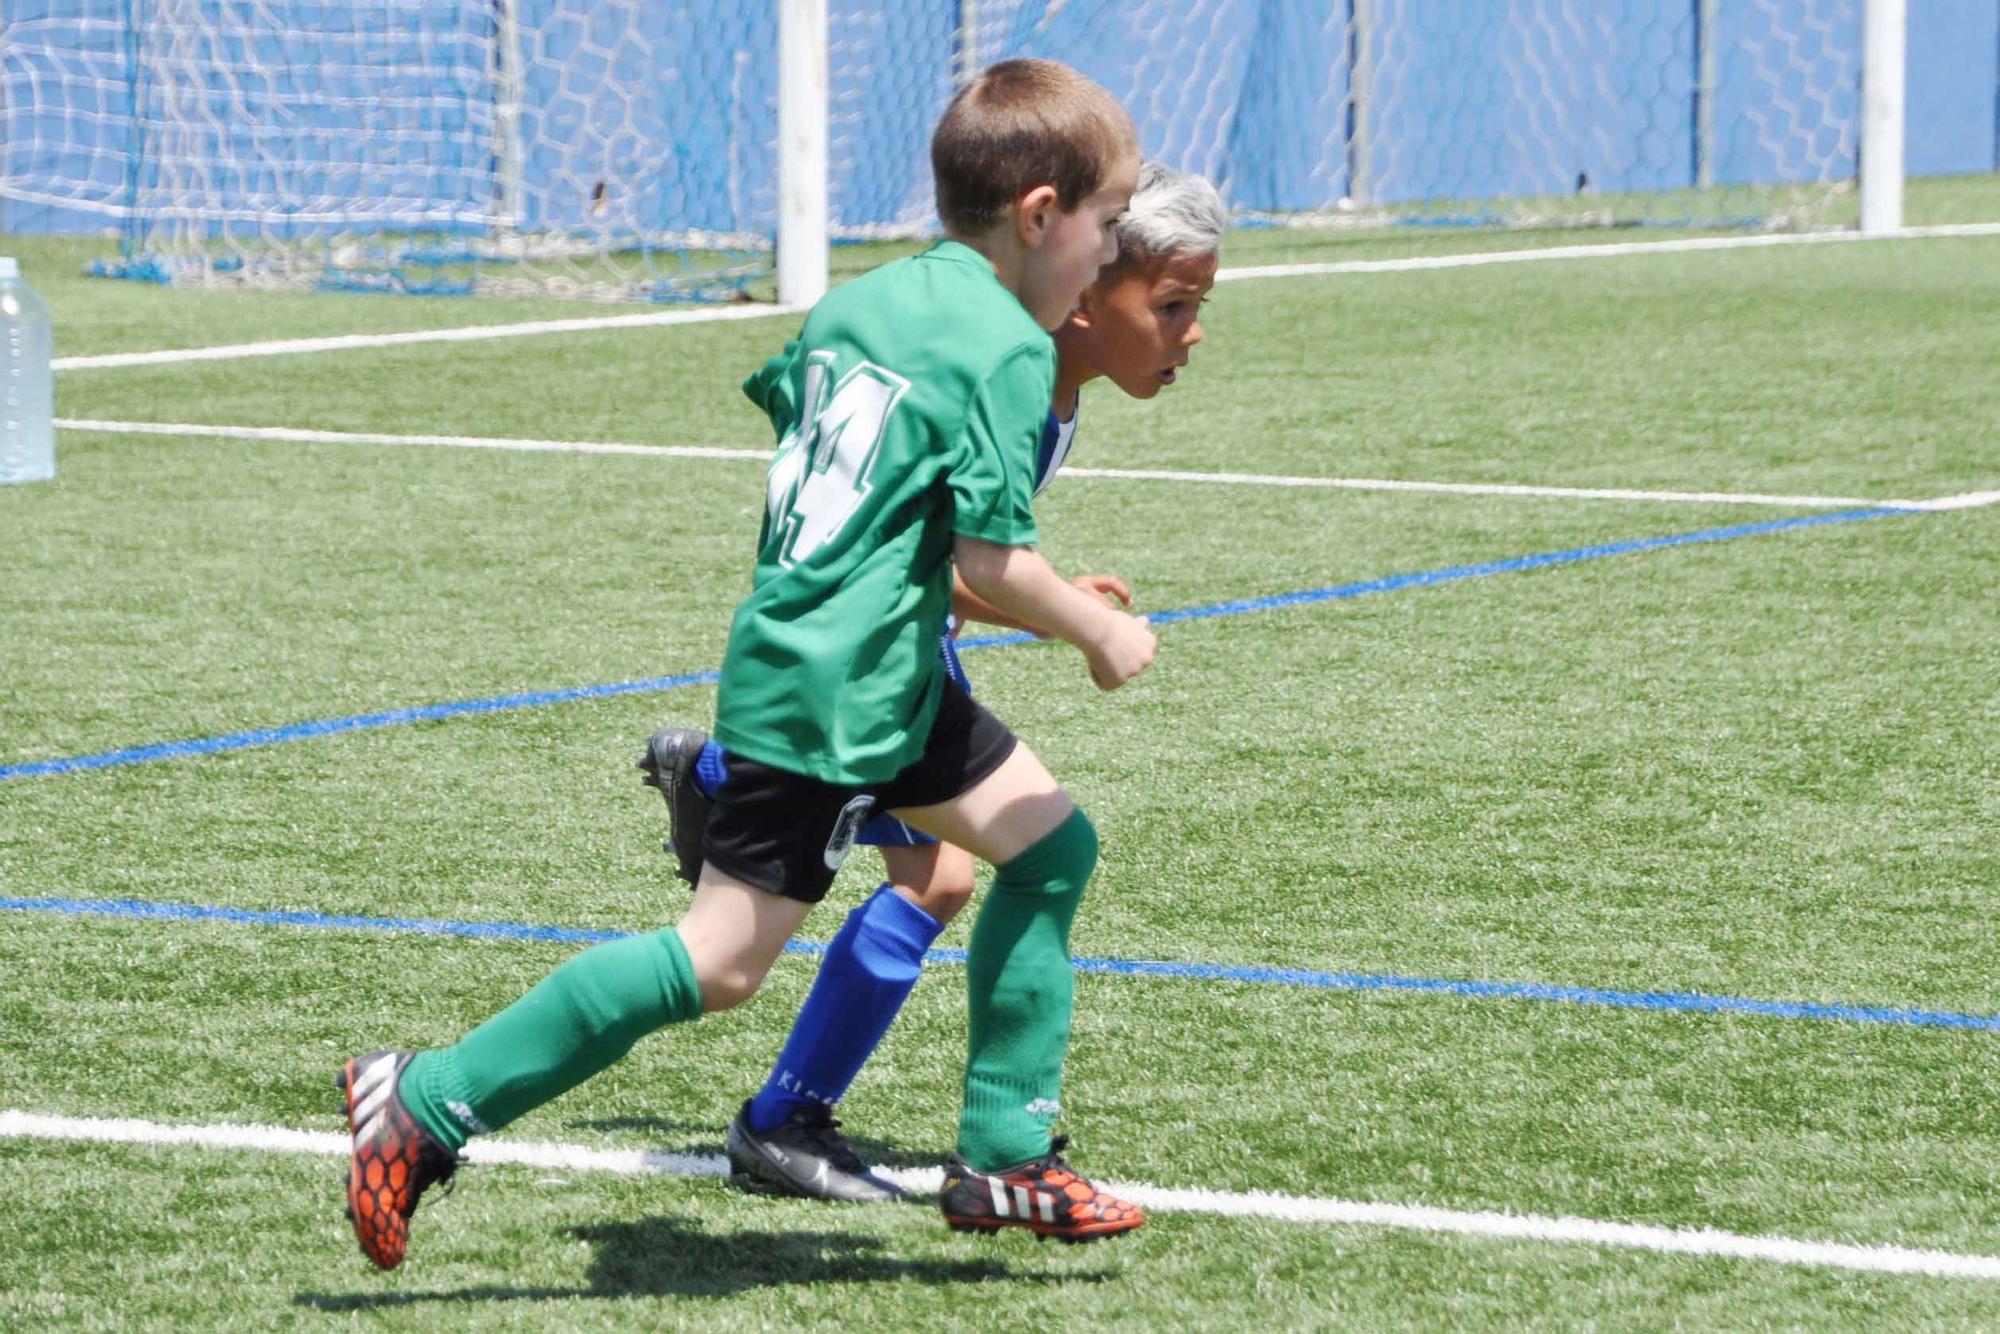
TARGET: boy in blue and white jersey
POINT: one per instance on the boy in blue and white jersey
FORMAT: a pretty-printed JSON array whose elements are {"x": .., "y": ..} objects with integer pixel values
[{"x": 1134, "y": 326}]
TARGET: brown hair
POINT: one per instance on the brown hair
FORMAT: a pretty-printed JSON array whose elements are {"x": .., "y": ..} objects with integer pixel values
[{"x": 1020, "y": 124}]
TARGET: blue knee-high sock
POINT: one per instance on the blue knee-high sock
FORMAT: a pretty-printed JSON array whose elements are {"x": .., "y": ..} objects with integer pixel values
[
  {"x": 865, "y": 978},
  {"x": 710, "y": 769}
]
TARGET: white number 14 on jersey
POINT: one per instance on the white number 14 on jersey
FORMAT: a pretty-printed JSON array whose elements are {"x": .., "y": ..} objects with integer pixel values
[{"x": 820, "y": 473}]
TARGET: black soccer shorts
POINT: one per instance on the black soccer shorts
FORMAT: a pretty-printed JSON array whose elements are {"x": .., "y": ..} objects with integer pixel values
[{"x": 789, "y": 833}]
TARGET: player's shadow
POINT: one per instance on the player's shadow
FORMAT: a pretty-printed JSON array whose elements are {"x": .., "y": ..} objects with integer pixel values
[
  {"x": 881, "y": 1153},
  {"x": 672, "y": 1257},
  {"x": 700, "y": 1137},
  {"x": 677, "y": 1133}
]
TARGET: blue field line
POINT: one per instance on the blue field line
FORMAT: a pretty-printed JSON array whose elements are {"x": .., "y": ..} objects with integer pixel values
[
  {"x": 1685, "y": 1002},
  {"x": 270, "y": 736},
  {"x": 1516, "y": 564}
]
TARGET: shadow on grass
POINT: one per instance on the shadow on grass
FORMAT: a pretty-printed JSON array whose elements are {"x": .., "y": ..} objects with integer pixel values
[
  {"x": 671, "y": 1257},
  {"x": 684, "y": 1137},
  {"x": 699, "y": 1137}
]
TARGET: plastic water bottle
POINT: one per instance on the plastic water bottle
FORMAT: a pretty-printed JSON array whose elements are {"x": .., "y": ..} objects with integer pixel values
[{"x": 27, "y": 398}]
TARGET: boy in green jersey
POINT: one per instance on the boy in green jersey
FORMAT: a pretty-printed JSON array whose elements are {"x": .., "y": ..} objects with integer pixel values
[
  {"x": 1135, "y": 325},
  {"x": 908, "y": 413}
]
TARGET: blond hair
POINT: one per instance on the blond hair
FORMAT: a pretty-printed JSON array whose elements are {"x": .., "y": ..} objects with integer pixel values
[
  {"x": 1017, "y": 125},
  {"x": 1172, "y": 213}
]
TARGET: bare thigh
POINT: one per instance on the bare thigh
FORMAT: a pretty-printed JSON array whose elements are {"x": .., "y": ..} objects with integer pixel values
[
  {"x": 733, "y": 932},
  {"x": 1003, "y": 815}
]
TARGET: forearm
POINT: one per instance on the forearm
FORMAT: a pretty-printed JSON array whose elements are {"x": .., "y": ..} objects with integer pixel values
[
  {"x": 967, "y": 605},
  {"x": 1018, "y": 584}
]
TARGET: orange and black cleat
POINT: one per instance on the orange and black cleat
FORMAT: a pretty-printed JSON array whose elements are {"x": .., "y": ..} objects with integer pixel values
[
  {"x": 394, "y": 1160},
  {"x": 1043, "y": 1195}
]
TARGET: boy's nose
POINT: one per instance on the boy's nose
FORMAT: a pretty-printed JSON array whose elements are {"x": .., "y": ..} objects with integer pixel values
[{"x": 1193, "y": 335}]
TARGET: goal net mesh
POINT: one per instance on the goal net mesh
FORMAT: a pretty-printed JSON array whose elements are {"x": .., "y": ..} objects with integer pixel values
[{"x": 626, "y": 149}]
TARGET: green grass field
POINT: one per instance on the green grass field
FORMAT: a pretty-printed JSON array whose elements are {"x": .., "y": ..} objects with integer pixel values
[{"x": 1760, "y": 767}]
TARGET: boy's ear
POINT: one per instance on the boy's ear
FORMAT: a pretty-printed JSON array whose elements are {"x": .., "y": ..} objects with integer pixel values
[
  {"x": 1035, "y": 214},
  {"x": 1087, "y": 304}
]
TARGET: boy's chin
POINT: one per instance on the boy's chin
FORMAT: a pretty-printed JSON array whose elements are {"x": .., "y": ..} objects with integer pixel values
[{"x": 1142, "y": 386}]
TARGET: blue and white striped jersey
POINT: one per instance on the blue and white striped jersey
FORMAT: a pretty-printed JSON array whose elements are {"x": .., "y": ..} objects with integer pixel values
[{"x": 1057, "y": 436}]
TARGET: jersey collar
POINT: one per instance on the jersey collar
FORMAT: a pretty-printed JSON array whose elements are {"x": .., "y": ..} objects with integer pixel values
[{"x": 958, "y": 252}]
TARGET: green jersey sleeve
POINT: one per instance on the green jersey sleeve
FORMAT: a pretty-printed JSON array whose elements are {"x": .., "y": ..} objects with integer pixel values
[
  {"x": 992, "y": 478},
  {"x": 769, "y": 387}
]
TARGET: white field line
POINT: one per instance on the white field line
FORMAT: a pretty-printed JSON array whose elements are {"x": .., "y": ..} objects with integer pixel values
[
  {"x": 303, "y": 436},
  {"x": 472, "y": 333},
  {"x": 468, "y": 334},
  {"x": 1613, "y": 250},
  {"x": 1252, "y": 1204},
  {"x": 1971, "y": 500},
  {"x": 294, "y": 435},
  {"x": 1479, "y": 488}
]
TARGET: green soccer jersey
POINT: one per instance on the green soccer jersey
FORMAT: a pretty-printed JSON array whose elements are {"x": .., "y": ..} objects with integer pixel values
[{"x": 908, "y": 410}]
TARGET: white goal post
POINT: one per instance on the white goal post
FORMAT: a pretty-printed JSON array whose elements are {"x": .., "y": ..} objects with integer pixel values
[
  {"x": 1884, "y": 57},
  {"x": 802, "y": 122}
]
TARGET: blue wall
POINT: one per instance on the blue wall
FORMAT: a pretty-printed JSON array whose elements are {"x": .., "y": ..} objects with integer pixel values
[
  {"x": 1485, "y": 108},
  {"x": 1954, "y": 74},
  {"x": 662, "y": 125},
  {"x": 677, "y": 120}
]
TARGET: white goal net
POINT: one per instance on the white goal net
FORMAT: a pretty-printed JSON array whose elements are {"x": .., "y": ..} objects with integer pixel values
[
  {"x": 1690, "y": 113},
  {"x": 627, "y": 149},
  {"x": 590, "y": 148}
]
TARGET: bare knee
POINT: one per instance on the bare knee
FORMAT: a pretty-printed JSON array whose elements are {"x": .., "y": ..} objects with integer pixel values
[
  {"x": 727, "y": 983},
  {"x": 942, "y": 898},
  {"x": 938, "y": 879}
]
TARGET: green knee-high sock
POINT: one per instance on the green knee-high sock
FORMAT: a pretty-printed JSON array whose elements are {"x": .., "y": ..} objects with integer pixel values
[
  {"x": 1021, "y": 991},
  {"x": 575, "y": 1022}
]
